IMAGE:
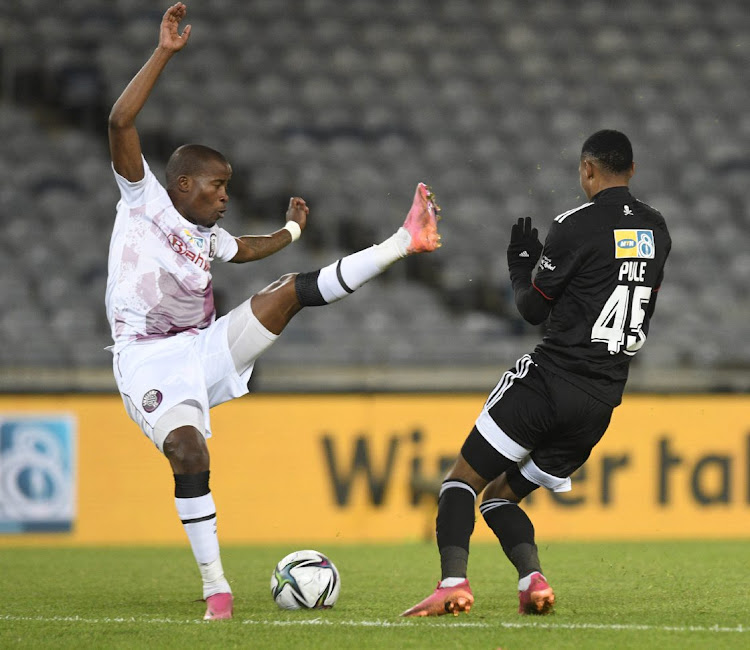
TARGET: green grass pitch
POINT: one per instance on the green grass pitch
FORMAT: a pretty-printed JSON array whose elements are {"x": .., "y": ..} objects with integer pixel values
[{"x": 613, "y": 595}]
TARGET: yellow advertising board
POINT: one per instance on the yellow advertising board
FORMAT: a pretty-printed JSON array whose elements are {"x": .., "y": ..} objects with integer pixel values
[{"x": 318, "y": 468}]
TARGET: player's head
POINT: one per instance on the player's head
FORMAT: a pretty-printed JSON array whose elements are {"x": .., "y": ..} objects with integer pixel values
[
  {"x": 197, "y": 179},
  {"x": 606, "y": 161}
]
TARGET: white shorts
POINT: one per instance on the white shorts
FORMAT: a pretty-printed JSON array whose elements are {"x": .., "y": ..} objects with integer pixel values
[{"x": 197, "y": 369}]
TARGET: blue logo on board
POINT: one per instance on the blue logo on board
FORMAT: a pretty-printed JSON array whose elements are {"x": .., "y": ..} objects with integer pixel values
[{"x": 37, "y": 473}]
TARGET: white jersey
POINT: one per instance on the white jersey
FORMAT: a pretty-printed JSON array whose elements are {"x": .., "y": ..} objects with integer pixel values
[{"x": 159, "y": 281}]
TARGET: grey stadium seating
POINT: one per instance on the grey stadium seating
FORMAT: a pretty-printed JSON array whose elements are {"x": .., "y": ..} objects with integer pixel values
[{"x": 349, "y": 105}]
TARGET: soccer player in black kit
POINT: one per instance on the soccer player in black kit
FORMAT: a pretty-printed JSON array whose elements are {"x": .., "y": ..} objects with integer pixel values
[{"x": 596, "y": 284}]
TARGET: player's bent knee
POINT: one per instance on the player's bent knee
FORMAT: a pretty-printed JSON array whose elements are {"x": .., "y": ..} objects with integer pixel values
[
  {"x": 283, "y": 283},
  {"x": 186, "y": 450},
  {"x": 499, "y": 489},
  {"x": 275, "y": 305}
]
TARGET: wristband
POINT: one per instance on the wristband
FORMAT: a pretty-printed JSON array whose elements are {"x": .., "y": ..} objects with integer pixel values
[{"x": 294, "y": 230}]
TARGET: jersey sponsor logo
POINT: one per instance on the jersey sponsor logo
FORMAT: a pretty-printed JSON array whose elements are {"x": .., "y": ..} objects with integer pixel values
[
  {"x": 198, "y": 242},
  {"x": 179, "y": 246},
  {"x": 151, "y": 400},
  {"x": 634, "y": 243}
]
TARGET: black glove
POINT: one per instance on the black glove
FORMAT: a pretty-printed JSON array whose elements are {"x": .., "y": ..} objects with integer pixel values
[{"x": 524, "y": 248}]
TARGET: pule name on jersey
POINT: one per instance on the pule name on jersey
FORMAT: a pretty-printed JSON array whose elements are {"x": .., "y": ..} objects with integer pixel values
[{"x": 632, "y": 271}]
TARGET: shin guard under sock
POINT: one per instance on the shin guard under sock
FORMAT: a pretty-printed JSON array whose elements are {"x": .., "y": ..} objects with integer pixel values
[
  {"x": 455, "y": 524},
  {"x": 514, "y": 530}
]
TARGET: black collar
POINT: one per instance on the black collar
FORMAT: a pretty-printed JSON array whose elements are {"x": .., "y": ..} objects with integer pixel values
[{"x": 612, "y": 192}]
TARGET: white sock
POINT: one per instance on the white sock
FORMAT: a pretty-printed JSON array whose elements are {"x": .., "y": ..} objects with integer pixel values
[
  {"x": 451, "y": 582},
  {"x": 341, "y": 278},
  {"x": 523, "y": 583},
  {"x": 400, "y": 241},
  {"x": 214, "y": 581},
  {"x": 198, "y": 516}
]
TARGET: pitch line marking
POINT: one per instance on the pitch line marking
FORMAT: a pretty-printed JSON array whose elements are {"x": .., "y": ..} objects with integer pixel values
[{"x": 626, "y": 627}]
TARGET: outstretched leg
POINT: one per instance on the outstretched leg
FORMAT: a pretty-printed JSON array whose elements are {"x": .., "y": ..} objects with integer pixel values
[{"x": 276, "y": 305}]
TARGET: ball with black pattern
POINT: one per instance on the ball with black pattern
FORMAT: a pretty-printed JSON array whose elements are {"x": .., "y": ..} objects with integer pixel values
[{"x": 305, "y": 580}]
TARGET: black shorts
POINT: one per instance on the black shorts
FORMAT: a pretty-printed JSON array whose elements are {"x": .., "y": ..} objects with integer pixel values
[{"x": 535, "y": 413}]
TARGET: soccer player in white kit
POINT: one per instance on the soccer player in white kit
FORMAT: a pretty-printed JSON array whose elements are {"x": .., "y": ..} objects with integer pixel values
[{"x": 173, "y": 360}]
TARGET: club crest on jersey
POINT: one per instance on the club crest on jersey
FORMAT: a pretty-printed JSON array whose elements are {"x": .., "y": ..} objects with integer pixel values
[
  {"x": 151, "y": 400},
  {"x": 634, "y": 243},
  {"x": 212, "y": 245}
]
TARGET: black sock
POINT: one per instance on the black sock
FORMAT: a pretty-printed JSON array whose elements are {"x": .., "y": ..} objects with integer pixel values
[
  {"x": 308, "y": 292},
  {"x": 187, "y": 486},
  {"x": 515, "y": 531},
  {"x": 455, "y": 524}
]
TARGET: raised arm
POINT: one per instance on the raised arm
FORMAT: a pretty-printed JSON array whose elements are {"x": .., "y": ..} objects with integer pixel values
[
  {"x": 124, "y": 144},
  {"x": 524, "y": 250},
  {"x": 256, "y": 247}
]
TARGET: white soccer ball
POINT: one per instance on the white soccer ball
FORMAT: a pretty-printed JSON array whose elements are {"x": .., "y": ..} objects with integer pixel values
[{"x": 305, "y": 580}]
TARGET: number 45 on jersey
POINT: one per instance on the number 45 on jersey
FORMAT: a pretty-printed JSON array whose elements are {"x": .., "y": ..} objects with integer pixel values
[{"x": 620, "y": 322}]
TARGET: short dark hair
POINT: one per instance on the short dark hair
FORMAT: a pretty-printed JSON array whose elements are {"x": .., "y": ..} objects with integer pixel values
[
  {"x": 190, "y": 160},
  {"x": 611, "y": 149}
]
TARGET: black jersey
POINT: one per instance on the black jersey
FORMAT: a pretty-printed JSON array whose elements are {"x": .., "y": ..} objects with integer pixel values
[{"x": 601, "y": 267}]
